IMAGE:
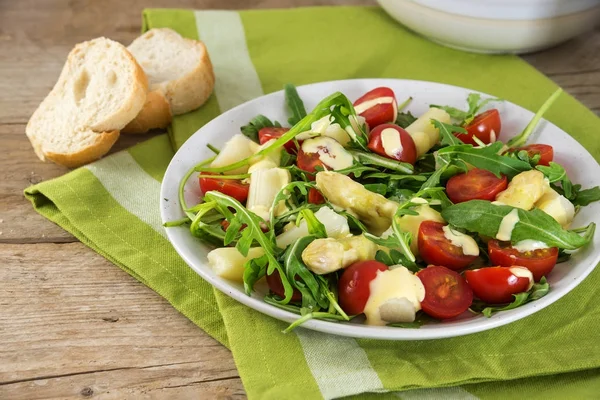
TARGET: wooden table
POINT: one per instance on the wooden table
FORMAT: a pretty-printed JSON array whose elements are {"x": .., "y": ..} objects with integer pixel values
[{"x": 73, "y": 325}]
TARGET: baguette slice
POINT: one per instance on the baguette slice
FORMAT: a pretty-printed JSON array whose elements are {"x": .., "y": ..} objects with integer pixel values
[
  {"x": 156, "y": 114},
  {"x": 180, "y": 68},
  {"x": 100, "y": 90}
]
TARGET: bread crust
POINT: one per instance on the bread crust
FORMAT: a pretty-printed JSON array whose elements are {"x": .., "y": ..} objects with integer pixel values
[
  {"x": 103, "y": 143},
  {"x": 156, "y": 114}
]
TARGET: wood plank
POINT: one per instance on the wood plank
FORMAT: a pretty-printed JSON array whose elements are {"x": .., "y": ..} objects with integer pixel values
[{"x": 71, "y": 320}]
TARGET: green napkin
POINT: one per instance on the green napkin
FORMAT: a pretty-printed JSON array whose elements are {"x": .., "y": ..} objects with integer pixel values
[{"x": 113, "y": 207}]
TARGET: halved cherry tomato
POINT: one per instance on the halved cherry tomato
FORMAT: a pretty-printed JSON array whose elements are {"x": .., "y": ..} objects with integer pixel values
[
  {"x": 353, "y": 286},
  {"x": 315, "y": 197},
  {"x": 266, "y": 134},
  {"x": 447, "y": 294},
  {"x": 309, "y": 162},
  {"x": 475, "y": 184},
  {"x": 482, "y": 127},
  {"x": 230, "y": 187},
  {"x": 377, "y": 112},
  {"x": 435, "y": 249},
  {"x": 274, "y": 282},
  {"x": 496, "y": 285},
  {"x": 540, "y": 262},
  {"x": 407, "y": 151},
  {"x": 545, "y": 151}
]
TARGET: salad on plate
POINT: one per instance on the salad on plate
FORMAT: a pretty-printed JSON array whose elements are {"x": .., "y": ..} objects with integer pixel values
[{"x": 362, "y": 211}]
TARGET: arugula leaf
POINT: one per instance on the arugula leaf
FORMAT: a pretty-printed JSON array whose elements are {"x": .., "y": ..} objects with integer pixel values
[
  {"x": 523, "y": 155},
  {"x": 374, "y": 159},
  {"x": 474, "y": 103},
  {"x": 256, "y": 124},
  {"x": 294, "y": 103},
  {"x": 420, "y": 319},
  {"x": 254, "y": 270},
  {"x": 485, "y": 158},
  {"x": 356, "y": 169},
  {"x": 446, "y": 133},
  {"x": 404, "y": 119},
  {"x": 379, "y": 188},
  {"x": 483, "y": 217},
  {"x": 345, "y": 116},
  {"x": 521, "y": 138},
  {"x": 315, "y": 227},
  {"x": 394, "y": 257},
  {"x": 395, "y": 177},
  {"x": 556, "y": 173},
  {"x": 587, "y": 196},
  {"x": 537, "y": 291}
]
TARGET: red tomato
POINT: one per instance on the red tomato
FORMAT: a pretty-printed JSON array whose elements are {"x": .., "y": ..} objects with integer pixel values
[
  {"x": 496, "y": 285},
  {"x": 353, "y": 286},
  {"x": 545, "y": 151},
  {"x": 308, "y": 162},
  {"x": 230, "y": 187},
  {"x": 408, "y": 152},
  {"x": 482, "y": 127},
  {"x": 447, "y": 294},
  {"x": 274, "y": 281},
  {"x": 378, "y": 114},
  {"x": 476, "y": 184},
  {"x": 540, "y": 262},
  {"x": 435, "y": 249},
  {"x": 266, "y": 134},
  {"x": 315, "y": 197}
]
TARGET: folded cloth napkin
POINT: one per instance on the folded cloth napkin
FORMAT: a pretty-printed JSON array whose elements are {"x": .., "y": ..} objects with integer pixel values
[{"x": 113, "y": 207}]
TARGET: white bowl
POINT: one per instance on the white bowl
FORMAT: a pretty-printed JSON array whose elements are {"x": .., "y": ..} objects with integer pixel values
[
  {"x": 496, "y": 26},
  {"x": 581, "y": 166}
]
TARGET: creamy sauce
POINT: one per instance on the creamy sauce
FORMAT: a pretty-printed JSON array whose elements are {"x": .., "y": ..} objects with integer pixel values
[
  {"x": 362, "y": 107},
  {"x": 459, "y": 239},
  {"x": 390, "y": 140},
  {"x": 507, "y": 225},
  {"x": 529, "y": 245},
  {"x": 330, "y": 152},
  {"x": 522, "y": 272},
  {"x": 396, "y": 294}
]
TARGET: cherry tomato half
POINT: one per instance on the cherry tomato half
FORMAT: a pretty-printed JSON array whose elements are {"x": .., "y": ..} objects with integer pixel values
[
  {"x": 315, "y": 197},
  {"x": 436, "y": 249},
  {"x": 496, "y": 285},
  {"x": 482, "y": 127},
  {"x": 230, "y": 187},
  {"x": 309, "y": 162},
  {"x": 379, "y": 109},
  {"x": 447, "y": 294},
  {"x": 540, "y": 261},
  {"x": 545, "y": 151},
  {"x": 475, "y": 184},
  {"x": 354, "y": 285},
  {"x": 276, "y": 286},
  {"x": 406, "y": 152},
  {"x": 266, "y": 134}
]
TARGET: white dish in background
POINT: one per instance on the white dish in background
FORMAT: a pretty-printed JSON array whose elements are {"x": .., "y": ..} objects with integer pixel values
[
  {"x": 496, "y": 26},
  {"x": 580, "y": 165}
]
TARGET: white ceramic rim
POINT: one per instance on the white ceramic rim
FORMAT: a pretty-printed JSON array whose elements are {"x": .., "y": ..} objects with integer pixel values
[{"x": 364, "y": 331}]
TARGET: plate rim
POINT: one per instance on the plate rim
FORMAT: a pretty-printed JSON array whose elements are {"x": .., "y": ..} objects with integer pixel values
[{"x": 355, "y": 330}]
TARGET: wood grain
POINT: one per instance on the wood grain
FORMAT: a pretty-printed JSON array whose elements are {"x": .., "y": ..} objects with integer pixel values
[{"x": 72, "y": 325}]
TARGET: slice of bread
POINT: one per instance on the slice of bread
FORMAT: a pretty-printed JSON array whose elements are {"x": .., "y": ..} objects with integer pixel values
[
  {"x": 156, "y": 114},
  {"x": 100, "y": 90},
  {"x": 180, "y": 68}
]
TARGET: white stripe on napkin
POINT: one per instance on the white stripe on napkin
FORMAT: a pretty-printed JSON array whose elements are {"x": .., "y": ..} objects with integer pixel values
[
  {"x": 338, "y": 364},
  {"x": 236, "y": 78},
  {"x": 447, "y": 393},
  {"x": 131, "y": 187}
]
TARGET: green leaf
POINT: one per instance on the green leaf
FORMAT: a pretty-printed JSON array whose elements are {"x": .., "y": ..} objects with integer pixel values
[
  {"x": 379, "y": 188},
  {"x": 485, "y": 158},
  {"x": 537, "y": 291},
  {"x": 374, "y": 159},
  {"x": 394, "y": 257},
  {"x": 404, "y": 119},
  {"x": 483, "y": 217},
  {"x": 554, "y": 172},
  {"x": 521, "y": 138},
  {"x": 256, "y": 124},
  {"x": 587, "y": 196},
  {"x": 294, "y": 104},
  {"x": 474, "y": 103},
  {"x": 254, "y": 270},
  {"x": 446, "y": 133},
  {"x": 315, "y": 227}
]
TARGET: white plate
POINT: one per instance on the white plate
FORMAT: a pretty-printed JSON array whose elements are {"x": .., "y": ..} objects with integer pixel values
[{"x": 581, "y": 166}]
